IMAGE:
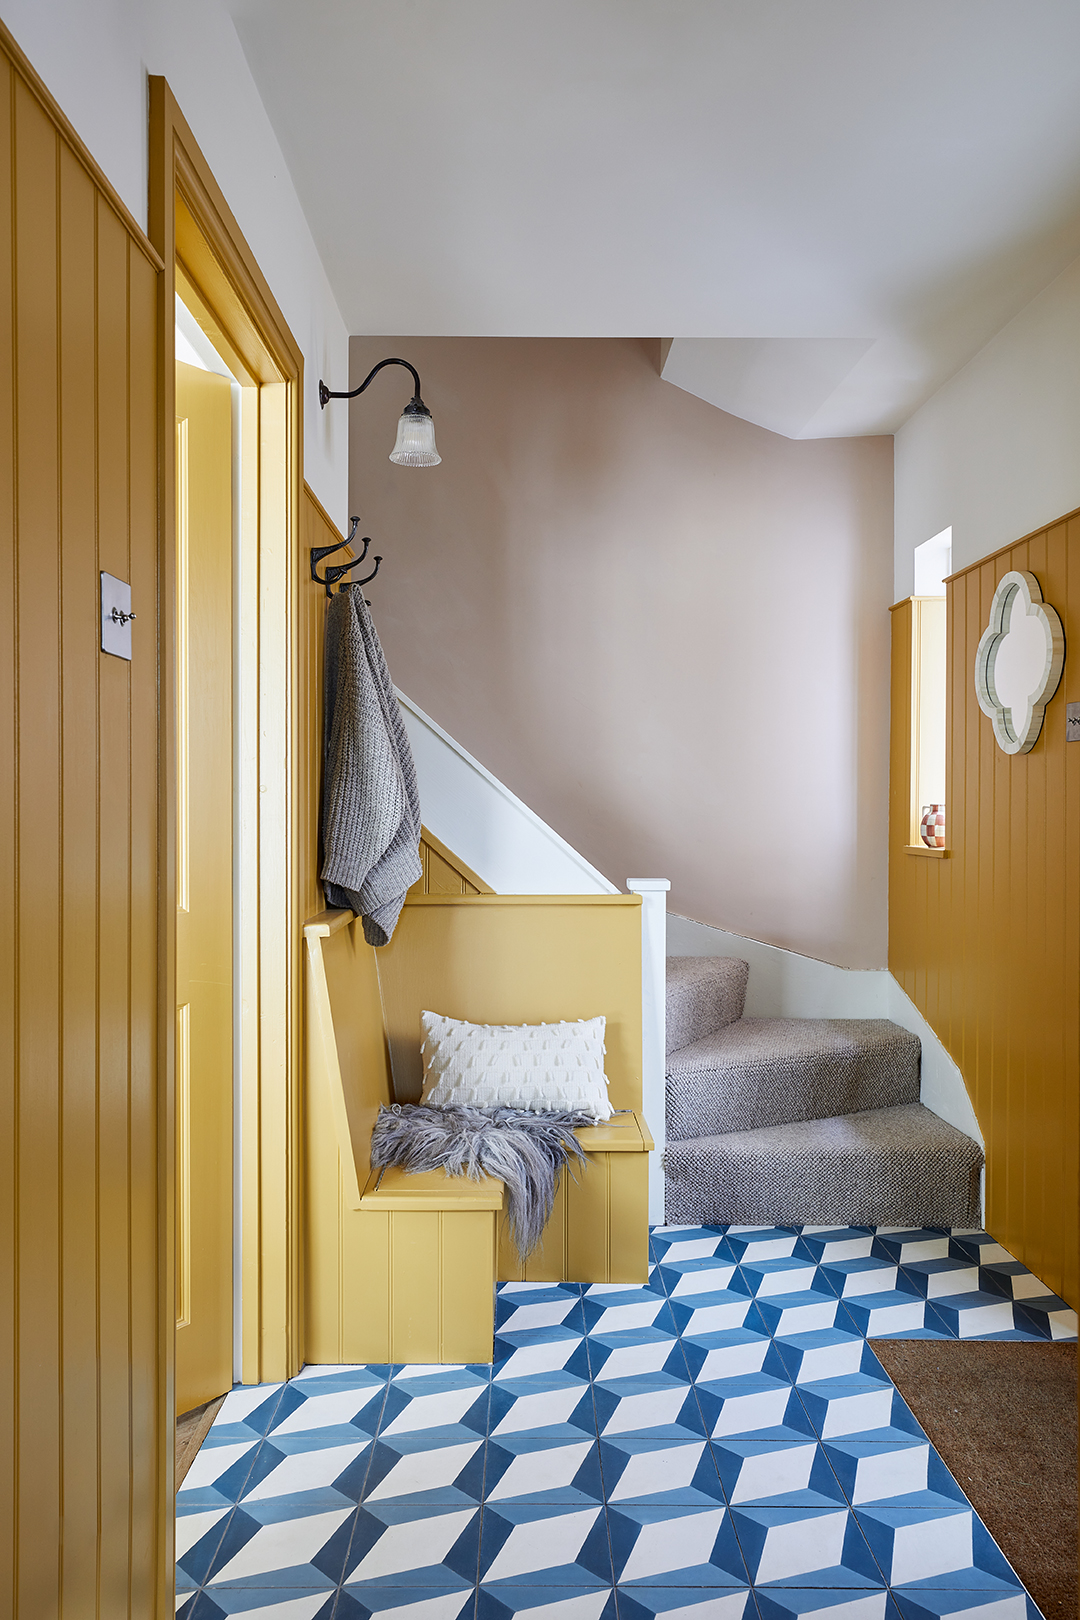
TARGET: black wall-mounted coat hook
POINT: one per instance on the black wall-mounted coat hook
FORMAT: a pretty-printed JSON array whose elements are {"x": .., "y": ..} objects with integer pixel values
[{"x": 335, "y": 575}]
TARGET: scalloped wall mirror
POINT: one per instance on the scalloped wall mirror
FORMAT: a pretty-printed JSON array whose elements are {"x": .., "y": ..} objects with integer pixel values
[{"x": 1019, "y": 661}]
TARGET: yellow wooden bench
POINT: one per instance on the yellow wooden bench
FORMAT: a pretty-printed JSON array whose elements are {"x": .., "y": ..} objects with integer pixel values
[{"x": 402, "y": 1267}]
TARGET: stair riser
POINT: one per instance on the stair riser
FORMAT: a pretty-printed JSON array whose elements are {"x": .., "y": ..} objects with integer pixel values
[
  {"x": 709, "y": 1184},
  {"x": 784, "y": 1091},
  {"x": 704, "y": 993}
]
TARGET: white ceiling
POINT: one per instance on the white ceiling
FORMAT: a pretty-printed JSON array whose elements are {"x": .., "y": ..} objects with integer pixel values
[{"x": 829, "y": 205}]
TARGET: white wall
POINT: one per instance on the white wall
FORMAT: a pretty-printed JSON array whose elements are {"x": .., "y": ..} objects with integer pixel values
[
  {"x": 95, "y": 57},
  {"x": 996, "y": 451}
]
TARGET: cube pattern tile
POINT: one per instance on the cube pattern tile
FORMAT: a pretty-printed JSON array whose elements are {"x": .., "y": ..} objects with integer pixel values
[{"x": 718, "y": 1444}]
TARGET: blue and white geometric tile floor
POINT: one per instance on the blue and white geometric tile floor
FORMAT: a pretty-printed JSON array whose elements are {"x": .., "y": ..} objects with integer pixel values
[{"x": 721, "y": 1444}]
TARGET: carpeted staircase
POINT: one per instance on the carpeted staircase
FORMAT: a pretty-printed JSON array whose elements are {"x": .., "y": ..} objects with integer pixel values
[{"x": 800, "y": 1120}]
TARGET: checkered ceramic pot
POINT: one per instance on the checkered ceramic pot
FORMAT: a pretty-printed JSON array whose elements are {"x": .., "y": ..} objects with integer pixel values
[{"x": 932, "y": 826}]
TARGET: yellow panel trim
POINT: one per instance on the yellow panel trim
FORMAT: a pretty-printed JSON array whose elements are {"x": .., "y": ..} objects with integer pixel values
[
  {"x": 325, "y": 923},
  {"x": 183, "y": 1165},
  {"x": 455, "y": 861},
  {"x": 183, "y": 671},
  {"x": 923, "y": 849},
  {"x": 323, "y": 1062},
  {"x": 523, "y": 900}
]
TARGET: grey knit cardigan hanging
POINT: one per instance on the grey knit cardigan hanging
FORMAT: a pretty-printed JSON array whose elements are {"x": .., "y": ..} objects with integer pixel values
[{"x": 370, "y": 806}]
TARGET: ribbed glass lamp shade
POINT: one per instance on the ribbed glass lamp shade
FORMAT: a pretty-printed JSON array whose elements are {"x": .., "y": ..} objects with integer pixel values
[{"x": 415, "y": 445}]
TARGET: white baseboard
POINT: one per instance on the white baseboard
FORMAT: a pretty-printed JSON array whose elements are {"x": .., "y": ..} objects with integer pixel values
[
  {"x": 490, "y": 828},
  {"x": 784, "y": 984}
]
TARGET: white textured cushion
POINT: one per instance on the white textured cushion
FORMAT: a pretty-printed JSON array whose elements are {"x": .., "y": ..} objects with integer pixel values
[{"x": 541, "y": 1067}]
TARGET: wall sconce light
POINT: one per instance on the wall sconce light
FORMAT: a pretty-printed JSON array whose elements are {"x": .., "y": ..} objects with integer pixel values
[{"x": 415, "y": 446}]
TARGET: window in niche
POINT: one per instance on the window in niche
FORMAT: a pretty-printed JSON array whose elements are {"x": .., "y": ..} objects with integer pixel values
[{"x": 933, "y": 563}]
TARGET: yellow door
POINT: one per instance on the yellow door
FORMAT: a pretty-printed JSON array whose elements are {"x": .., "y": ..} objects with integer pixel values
[{"x": 204, "y": 931}]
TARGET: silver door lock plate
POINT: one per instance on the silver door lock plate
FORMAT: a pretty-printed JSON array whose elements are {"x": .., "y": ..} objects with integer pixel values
[
  {"x": 1072, "y": 722},
  {"x": 116, "y": 616}
]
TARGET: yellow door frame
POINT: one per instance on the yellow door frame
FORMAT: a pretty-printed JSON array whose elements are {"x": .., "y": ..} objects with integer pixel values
[{"x": 206, "y": 257}]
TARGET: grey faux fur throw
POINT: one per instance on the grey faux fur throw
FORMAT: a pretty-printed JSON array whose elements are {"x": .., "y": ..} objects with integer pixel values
[
  {"x": 370, "y": 806},
  {"x": 524, "y": 1151}
]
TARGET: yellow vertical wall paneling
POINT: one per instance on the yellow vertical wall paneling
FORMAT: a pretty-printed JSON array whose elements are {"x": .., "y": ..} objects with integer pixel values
[
  {"x": 316, "y": 529},
  {"x": 78, "y": 1145},
  {"x": 465, "y": 1289},
  {"x": 83, "y": 1470},
  {"x": 183, "y": 643},
  {"x": 183, "y": 1165},
  {"x": 38, "y": 774},
  {"x": 986, "y": 942}
]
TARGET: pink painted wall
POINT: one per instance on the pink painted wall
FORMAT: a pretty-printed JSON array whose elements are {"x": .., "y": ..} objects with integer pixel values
[{"x": 662, "y": 627}]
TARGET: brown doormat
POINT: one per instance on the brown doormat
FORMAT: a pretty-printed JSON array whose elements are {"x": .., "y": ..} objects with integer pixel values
[{"x": 1002, "y": 1414}]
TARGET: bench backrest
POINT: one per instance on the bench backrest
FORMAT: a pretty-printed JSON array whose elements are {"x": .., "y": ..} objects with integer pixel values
[
  {"x": 347, "y": 1055},
  {"x": 516, "y": 959},
  {"x": 491, "y": 959}
]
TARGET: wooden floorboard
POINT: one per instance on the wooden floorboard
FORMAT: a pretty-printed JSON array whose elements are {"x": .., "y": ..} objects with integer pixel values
[{"x": 191, "y": 1430}]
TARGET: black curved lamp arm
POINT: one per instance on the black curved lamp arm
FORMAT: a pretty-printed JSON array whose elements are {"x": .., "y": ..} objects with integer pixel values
[{"x": 329, "y": 393}]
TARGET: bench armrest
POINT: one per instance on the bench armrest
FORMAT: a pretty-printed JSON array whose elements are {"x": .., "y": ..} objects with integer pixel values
[
  {"x": 623, "y": 1133},
  {"x": 429, "y": 1189}
]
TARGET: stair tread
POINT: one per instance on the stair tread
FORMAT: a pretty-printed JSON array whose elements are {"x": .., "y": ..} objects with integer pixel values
[
  {"x": 905, "y": 1127},
  {"x": 760, "y": 1040},
  {"x": 770, "y": 1071}
]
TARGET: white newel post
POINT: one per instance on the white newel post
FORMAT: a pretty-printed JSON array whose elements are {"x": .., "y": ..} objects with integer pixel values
[{"x": 653, "y": 892}]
